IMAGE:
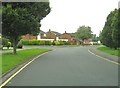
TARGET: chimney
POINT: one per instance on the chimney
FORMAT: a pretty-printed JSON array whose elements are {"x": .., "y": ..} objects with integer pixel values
[
  {"x": 49, "y": 30},
  {"x": 65, "y": 32}
]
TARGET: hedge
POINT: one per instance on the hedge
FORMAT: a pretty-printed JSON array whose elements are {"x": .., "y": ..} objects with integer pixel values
[
  {"x": 36, "y": 42},
  {"x": 43, "y": 42},
  {"x": 61, "y": 43}
]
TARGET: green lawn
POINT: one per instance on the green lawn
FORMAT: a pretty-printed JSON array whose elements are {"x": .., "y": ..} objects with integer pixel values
[
  {"x": 109, "y": 50},
  {"x": 10, "y": 61}
]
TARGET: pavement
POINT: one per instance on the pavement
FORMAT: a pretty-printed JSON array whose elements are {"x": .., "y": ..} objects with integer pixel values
[
  {"x": 68, "y": 66},
  {"x": 32, "y": 46},
  {"x": 104, "y": 55}
]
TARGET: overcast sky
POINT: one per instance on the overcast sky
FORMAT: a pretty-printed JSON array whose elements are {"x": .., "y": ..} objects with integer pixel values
[{"x": 68, "y": 15}]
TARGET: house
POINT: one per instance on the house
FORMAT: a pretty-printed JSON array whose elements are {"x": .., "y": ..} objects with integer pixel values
[
  {"x": 87, "y": 41},
  {"x": 53, "y": 36},
  {"x": 41, "y": 35},
  {"x": 68, "y": 37},
  {"x": 50, "y": 35},
  {"x": 29, "y": 37}
]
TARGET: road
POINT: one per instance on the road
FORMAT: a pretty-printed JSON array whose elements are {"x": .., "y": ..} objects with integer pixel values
[{"x": 68, "y": 66}]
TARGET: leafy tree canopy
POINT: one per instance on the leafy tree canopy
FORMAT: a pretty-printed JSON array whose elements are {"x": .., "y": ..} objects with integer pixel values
[
  {"x": 84, "y": 32},
  {"x": 19, "y": 18},
  {"x": 111, "y": 31}
]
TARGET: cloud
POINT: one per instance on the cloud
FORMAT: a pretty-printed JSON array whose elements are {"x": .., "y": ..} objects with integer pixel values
[{"x": 70, "y": 14}]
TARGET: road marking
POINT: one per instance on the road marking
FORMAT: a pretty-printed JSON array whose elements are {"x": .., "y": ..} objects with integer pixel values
[
  {"x": 22, "y": 69},
  {"x": 103, "y": 58}
]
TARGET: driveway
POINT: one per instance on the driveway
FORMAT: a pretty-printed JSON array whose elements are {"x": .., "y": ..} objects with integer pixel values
[{"x": 68, "y": 66}]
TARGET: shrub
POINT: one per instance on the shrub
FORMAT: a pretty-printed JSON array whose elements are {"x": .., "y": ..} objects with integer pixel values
[
  {"x": 19, "y": 45},
  {"x": 57, "y": 43},
  {"x": 32, "y": 42},
  {"x": 48, "y": 43},
  {"x": 8, "y": 45},
  {"x": 95, "y": 43},
  {"x": 36, "y": 42},
  {"x": 4, "y": 42},
  {"x": 60, "y": 43},
  {"x": 53, "y": 43},
  {"x": 66, "y": 43},
  {"x": 42, "y": 43},
  {"x": 25, "y": 42}
]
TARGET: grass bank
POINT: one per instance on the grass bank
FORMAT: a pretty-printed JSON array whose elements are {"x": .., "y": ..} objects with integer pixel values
[
  {"x": 109, "y": 50},
  {"x": 10, "y": 60}
]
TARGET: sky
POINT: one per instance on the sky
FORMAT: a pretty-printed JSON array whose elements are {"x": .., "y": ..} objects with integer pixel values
[{"x": 68, "y": 15}]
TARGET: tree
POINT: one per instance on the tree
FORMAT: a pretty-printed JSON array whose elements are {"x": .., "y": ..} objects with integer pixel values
[
  {"x": 0, "y": 18},
  {"x": 84, "y": 32},
  {"x": 111, "y": 31},
  {"x": 20, "y": 18},
  {"x": 95, "y": 38},
  {"x": 118, "y": 28}
]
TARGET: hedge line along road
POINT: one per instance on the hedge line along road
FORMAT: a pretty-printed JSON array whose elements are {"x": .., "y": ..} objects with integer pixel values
[{"x": 68, "y": 66}]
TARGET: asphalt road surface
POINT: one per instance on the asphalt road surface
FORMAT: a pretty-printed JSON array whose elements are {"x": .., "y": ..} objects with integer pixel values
[{"x": 68, "y": 66}]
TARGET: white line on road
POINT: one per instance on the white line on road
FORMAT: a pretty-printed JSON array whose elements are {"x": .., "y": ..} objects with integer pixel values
[
  {"x": 21, "y": 69},
  {"x": 103, "y": 58}
]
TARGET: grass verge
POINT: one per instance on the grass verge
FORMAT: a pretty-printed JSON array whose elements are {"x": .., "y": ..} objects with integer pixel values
[
  {"x": 10, "y": 60},
  {"x": 109, "y": 50}
]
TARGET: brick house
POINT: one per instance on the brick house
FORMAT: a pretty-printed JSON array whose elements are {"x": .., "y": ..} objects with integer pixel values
[
  {"x": 53, "y": 36},
  {"x": 28, "y": 37},
  {"x": 69, "y": 37},
  {"x": 41, "y": 35},
  {"x": 50, "y": 35}
]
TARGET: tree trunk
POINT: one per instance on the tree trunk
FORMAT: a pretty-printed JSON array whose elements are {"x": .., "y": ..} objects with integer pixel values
[
  {"x": 83, "y": 42},
  {"x": 14, "y": 46},
  {"x": 115, "y": 48}
]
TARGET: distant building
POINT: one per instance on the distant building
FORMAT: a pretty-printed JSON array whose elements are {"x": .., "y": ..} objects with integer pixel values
[
  {"x": 53, "y": 36},
  {"x": 68, "y": 37},
  {"x": 88, "y": 41},
  {"x": 29, "y": 37},
  {"x": 50, "y": 35}
]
